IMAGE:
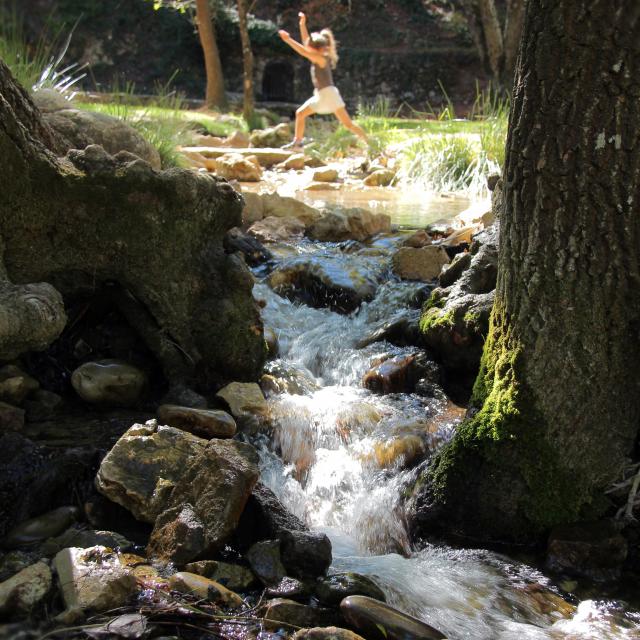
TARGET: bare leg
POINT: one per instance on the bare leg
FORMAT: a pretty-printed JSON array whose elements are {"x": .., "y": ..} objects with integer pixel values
[
  {"x": 301, "y": 114},
  {"x": 345, "y": 119}
]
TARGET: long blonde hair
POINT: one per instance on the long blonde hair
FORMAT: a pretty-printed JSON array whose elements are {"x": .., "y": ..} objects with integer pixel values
[{"x": 325, "y": 38}]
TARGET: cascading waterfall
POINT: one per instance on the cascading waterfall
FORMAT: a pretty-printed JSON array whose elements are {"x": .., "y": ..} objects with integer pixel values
[{"x": 338, "y": 456}]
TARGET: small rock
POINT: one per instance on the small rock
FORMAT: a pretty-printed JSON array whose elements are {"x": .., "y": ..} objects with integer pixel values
[
  {"x": 394, "y": 375},
  {"x": 244, "y": 398},
  {"x": 42, "y": 405},
  {"x": 594, "y": 550},
  {"x": 20, "y": 594},
  {"x": 418, "y": 240},
  {"x": 272, "y": 136},
  {"x": 50, "y": 100},
  {"x": 325, "y": 174},
  {"x": 296, "y": 162},
  {"x": 266, "y": 562},
  {"x": 453, "y": 271},
  {"x": 204, "y": 423},
  {"x": 279, "y": 206},
  {"x": 11, "y": 418},
  {"x": 234, "y": 166},
  {"x": 15, "y": 385},
  {"x": 440, "y": 228},
  {"x": 326, "y": 633},
  {"x": 278, "y": 611},
  {"x": 205, "y": 589},
  {"x": 305, "y": 554},
  {"x": 40, "y": 528},
  {"x": 355, "y": 223},
  {"x": 274, "y": 229},
  {"x": 461, "y": 236},
  {"x": 233, "y": 576},
  {"x": 379, "y": 621},
  {"x": 109, "y": 382},
  {"x": 334, "y": 588},
  {"x": 380, "y": 178},
  {"x": 271, "y": 338},
  {"x": 291, "y": 589},
  {"x": 178, "y": 536},
  {"x": 78, "y": 536},
  {"x": 419, "y": 264},
  {"x": 321, "y": 186},
  {"x": 252, "y": 250},
  {"x": 183, "y": 396},
  {"x": 93, "y": 579},
  {"x": 237, "y": 139}
]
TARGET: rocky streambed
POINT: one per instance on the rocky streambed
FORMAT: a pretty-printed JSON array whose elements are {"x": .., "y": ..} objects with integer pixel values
[{"x": 276, "y": 509}]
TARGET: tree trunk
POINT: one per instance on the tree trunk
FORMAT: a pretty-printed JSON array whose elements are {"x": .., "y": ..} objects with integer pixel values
[
  {"x": 247, "y": 61},
  {"x": 94, "y": 225},
  {"x": 215, "y": 81},
  {"x": 512, "y": 32},
  {"x": 471, "y": 14},
  {"x": 492, "y": 36},
  {"x": 558, "y": 391}
]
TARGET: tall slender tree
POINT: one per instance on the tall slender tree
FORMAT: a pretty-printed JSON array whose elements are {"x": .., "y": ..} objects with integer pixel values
[
  {"x": 557, "y": 399},
  {"x": 247, "y": 61}
]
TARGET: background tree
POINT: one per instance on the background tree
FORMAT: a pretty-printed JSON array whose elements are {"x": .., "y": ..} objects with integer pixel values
[
  {"x": 557, "y": 396},
  {"x": 214, "y": 95},
  {"x": 247, "y": 63}
]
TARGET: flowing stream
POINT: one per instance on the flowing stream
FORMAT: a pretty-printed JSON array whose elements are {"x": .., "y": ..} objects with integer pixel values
[{"x": 339, "y": 458}]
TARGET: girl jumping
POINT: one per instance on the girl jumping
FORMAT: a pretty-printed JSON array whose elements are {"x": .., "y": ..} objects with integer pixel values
[{"x": 320, "y": 49}]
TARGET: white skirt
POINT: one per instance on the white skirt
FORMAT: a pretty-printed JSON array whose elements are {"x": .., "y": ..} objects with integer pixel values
[{"x": 327, "y": 100}]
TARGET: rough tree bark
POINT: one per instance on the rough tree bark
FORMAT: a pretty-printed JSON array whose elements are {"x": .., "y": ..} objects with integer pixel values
[
  {"x": 215, "y": 80},
  {"x": 90, "y": 222},
  {"x": 558, "y": 395},
  {"x": 247, "y": 62}
]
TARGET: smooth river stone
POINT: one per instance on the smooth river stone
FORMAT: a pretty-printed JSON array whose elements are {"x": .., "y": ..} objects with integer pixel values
[
  {"x": 205, "y": 423},
  {"x": 109, "y": 382},
  {"x": 205, "y": 588},
  {"x": 379, "y": 621},
  {"x": 338, "y": 586},
  {"x": 40, "y": 528},
  {"x": 326, "y": 633}
]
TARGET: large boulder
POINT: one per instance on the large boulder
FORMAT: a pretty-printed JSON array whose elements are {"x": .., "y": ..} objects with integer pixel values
[
  {"x": 349, "y": 224},
  {"x": 455, "y": 319},
  {"x": 145, "y": 465},
  {"x": 155, "y": 240},
  {"x": 83, "y": 128},
  {"x": 216, "y": 484},
  {"x": 324, "y": 281}
]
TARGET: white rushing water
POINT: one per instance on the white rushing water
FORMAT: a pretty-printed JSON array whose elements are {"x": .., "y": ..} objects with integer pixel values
[{"x": 337, "y": 458}]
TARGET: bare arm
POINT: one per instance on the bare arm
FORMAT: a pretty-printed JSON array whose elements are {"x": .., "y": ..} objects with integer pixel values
[
  {"x": 304, "y": 32},
  {"x": 308, "y": 52}
]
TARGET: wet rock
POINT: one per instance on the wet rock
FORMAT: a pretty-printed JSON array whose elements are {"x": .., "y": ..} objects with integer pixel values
[
  {"x": 285, "y": 378},
  {"x": 338, "y": 225},
  {"x": 326, "y": 633},
  {"x": 272, "y": 136},
  {"x": 321, "y": 186},
  {"x": 204, "y": 423},
  {"x": 205, "y": 589},
  {"x": 324, "y": 281},
  {"x": 418, "y": 240},
  {"x": 143, "y": 467},
  {"x": 80, "y": 536},
  {"x": 296, "y": 162},
  {"x": 278, "y": 611},
  {"x": 244, "y": 399},
  {"x": 325, "y": 174},
  {"x": 15, "y": 385},
  {"x": 42, "y": 405},
  {"x": 401, "y": 330},
  {"x": 20, "y": 594},
  {"x": 265, "y": 518},
  {"x": 271, "y": 338},
  {"x": 419, "y": 264},
  {"x": 334, "y": 588},
  {"x": 234, "y": 166},
  {"x": 594, "y": 550},
  {"x": 183, "y": 396},
  {"x": 379, "y": 621},
  {"x": 178, "y": 536},
  {"x": 305, "y": 554},
  {"x": 460, "y": 238},
  {"x": 233, "y": 576},
  {"x": 40, "y": 528},
  {"x": 93, "y": 579},
  {"x": 266, "y": 562},
  {"x": 291, "y": 589},
  {"x": 11, "y": 418},
  {"x": 253, "y": 251},
  {"x": 83, "y": 128},
  {"x": 273, "y": 229},
  {"x": 455, "y": 269},
  {"x": 109, "y": 382},
  {"x": 217, "y": 484},
  {"x": 390, "y": 376},
  {"x": 380, "y": 178},
  {"x": 399, "y": 452}
]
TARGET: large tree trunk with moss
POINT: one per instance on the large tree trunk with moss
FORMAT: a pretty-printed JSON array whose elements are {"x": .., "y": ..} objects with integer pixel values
[
  {"x": 215, "y": 80},
  {"x": 91, "y": 224},
  {"x": 247, "y": 62},
  {"x": 558, "y": 396}
]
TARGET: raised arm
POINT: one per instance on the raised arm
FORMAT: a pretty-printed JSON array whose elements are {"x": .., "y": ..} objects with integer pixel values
[
  {"x": 304, "y": 32},
  {"x": 308, "y": 52}
]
